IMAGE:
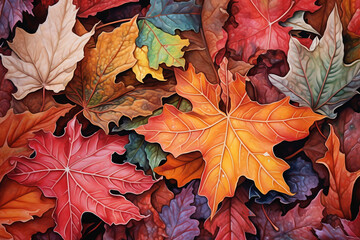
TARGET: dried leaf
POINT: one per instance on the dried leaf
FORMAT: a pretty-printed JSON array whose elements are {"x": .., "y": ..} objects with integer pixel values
[
  {"x": 142, "y": 68},
  {"x": 20, "y": 203},
  {"x": 257, "y": 25},
  {"x": 183, "y": 168},
  {"x": 179, "y": 225},
  {"x": 78, "y": 171},
  {"x": 232, "y": 219},
  {"x": 15, "y": 130},
  {"x": 169, "y": 15},
  {"x": 338, "y": 199},
  {"x": 46, "y": 59},
  {"x": 229, "y": 141},
  {"x": 163, "y": 47},
  {"x": 317, "y": 77}
]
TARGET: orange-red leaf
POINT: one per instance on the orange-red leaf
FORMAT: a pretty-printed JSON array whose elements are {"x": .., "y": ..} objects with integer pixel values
[
  {"x": 338, "y": 200},
  {"x": 183, "y": 168},
  {"x": 233, "y": 144},
  {"x": 20, "y": 203}
]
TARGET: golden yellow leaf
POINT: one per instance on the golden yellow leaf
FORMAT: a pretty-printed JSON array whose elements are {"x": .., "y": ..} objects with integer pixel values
[{"x": 142, "y": 68}]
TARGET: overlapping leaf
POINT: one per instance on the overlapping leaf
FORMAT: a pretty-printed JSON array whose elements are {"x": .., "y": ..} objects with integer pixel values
[
  {"x": 163, "y": 47},
  {"x": 169, "y": 15},
  {"x": 94, "y": 87},
  {"x": 179, "y": 225},
  {"x": 236, "y": 143},
  {"x": 90, "y": 8},
  {"x": 338, "y": 200},
  {"x": 46, "y": 59},
  {"x": 257, "y": 25},
  {"x": 232, "y": 219},
  {"x": 15, "y": 130},
  {"x": 11, "y": 13},
  {"x": 318, "y": 78},
  {"x": 78, "y": 171},
  {"x": 20, "y": 203}
]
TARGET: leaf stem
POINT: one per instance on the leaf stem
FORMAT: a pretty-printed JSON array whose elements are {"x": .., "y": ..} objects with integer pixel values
[
  {"x": 318, "y": 128},
  {"x": 117, "y": 21},
  {"x": 294, "y": 154},
  {"x": 267, "y": 217},
  {"x": 43, "y": 100}
]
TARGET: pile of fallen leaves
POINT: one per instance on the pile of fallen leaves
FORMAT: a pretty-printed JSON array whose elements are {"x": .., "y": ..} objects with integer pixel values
[{"x": 164, "y": 119}]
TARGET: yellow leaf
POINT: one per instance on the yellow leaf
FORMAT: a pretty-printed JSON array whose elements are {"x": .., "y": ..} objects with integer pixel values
[
  {"x": 142, "y": 68},
  {"x": 48, "y": 57}
]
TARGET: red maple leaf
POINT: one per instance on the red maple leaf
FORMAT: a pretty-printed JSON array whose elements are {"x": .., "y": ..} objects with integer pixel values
[
  {"x": 257, "y": 25},
  {"x": 78, "y": 171}
]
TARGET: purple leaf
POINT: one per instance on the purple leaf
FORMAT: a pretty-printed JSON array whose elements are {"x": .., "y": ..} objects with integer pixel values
[
  {"x": 177, "y": 219},
  {"x": 11, "y": 13}
]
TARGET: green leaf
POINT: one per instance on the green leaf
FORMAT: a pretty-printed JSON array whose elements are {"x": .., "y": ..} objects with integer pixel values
[
  {"x": 155, "y": 154},
  {"x": 318, "y": 78},
  {"x": 163, "y": 47},
  {"x": 169, "y": 15},
  {"x": 135, "y": 151}
]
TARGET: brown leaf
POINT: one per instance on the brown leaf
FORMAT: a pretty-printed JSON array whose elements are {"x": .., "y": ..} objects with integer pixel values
[
  {"x": 151, "y": 227},
  {"x": 6, "y": 89},
  {"x": 16, "y": 129},
  {"x": 295, "y": 223},
  {"x": 198, "y": 54},
  {"x": 338, "y": 199},
  {"x": 213, "y": 17},
  {"x": 20, "y": 230}
]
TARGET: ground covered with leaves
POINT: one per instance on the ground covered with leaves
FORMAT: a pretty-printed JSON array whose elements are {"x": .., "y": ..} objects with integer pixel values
[{"x": 163, "y": 119}]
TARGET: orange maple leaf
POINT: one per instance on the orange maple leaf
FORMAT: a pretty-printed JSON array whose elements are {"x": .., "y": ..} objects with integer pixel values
[
  {"x": 338, "y": 199},
  {"x": 236, "y": 143}
]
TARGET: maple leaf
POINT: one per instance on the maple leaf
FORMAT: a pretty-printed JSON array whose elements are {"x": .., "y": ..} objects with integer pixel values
[
  {"x": 236, "y": 143},
  {"x": 183, "y": 168},
  {"x": 20, "y": 203},
  {"x": 163, "y": 47},
  {"x": 179, "y": 225},
  {"x": 16, "y": 129},
  {"x": 296, "y": 222},
  {"x": 46, "y": 59},
  {"x": 300, "y": 177},
  {"x": 169, "y": 15},
  {"x": 317, "y": 77},
  {"x": 213, "y": 17},
  {"x": 297, "y": 22},
  {"x": 338, "y": 199},
  {"x": 11, "y": 13},
  {"x": 257, "y": 25},
  {"x": 90, "y": 8},
  {"x": 142, "y": 68},
  {"x": 151, "y": 203},
  {"x": 94, "y": 86},
  {"x": 78, "y": 171},
  {"x": 233, "y": 218}
]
